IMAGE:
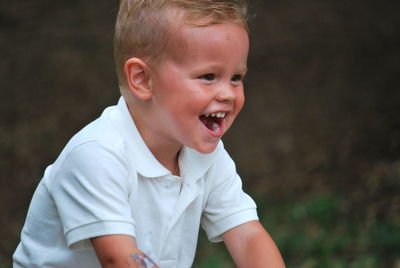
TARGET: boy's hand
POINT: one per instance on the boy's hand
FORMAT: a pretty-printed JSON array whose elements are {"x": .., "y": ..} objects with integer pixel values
[
  {"x": 250, "y": 245},
  {"x": 117, "y": 251}
]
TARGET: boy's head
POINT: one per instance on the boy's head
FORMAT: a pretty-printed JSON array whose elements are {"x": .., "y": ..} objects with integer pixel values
[
  {"x": 181, "y": 65},
  {"x": 145, "y": 28}
]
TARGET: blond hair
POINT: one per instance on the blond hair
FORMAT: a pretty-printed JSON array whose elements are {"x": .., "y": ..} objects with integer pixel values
[{"x": 143, "y": 27}]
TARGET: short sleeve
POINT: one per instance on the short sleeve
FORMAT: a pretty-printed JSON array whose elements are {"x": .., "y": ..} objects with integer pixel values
[
  {"x": 91, "y": 192},
  {"x": 227, "y": 205}
]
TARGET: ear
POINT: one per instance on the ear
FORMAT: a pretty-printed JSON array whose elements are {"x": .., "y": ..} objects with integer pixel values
[{"x": 137, "y": 74}]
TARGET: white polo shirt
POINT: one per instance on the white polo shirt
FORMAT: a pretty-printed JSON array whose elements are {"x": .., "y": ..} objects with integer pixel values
[{"x": 106, "y": 181}]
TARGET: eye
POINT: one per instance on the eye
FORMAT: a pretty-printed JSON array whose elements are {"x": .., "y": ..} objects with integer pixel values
[
  {"x": 237, "y": 78},
  {"x": 208, "y": 77}
]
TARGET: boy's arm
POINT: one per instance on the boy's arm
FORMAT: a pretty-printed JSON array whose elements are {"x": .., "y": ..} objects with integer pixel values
[
  {"x": 116, "y": 251},
  {"x": 250, "y": 245}
]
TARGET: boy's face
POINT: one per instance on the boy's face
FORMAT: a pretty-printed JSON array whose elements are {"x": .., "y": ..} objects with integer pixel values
[{"x": 198, "y": 93}]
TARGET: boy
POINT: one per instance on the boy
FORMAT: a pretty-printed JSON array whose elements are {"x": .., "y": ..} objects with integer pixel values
[{"x": 132, "y": 188}]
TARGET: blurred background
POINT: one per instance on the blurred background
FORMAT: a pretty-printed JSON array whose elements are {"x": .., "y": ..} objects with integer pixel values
[{"x": 317, "y": 144}]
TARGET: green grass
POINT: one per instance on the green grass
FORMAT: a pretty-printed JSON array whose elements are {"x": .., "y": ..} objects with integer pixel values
[
  {"x": 321, "y": 231},
  {"x": 211, "y": 254}
]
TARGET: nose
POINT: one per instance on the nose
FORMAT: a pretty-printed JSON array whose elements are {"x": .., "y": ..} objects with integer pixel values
[{"x": 227, "y": 93}]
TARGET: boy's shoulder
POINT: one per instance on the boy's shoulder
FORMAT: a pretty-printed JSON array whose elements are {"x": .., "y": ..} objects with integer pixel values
[
  {"x": 97, "y": 147},
  {"x": 113, "y": 127},
  {"x": 100, "y": 131},
  {"x": 100, "y": 136}
]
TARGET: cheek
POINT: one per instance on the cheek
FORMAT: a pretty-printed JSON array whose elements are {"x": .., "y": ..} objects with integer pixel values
[
  {"x": 239, "y": 101},
  {"x": 196, "y": 98}
]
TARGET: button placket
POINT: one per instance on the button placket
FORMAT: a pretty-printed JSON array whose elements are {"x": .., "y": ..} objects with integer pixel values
[{"x": 188, "y": 194}]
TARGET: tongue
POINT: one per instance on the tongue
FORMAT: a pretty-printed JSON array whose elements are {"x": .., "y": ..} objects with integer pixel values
[{"x": 212, "y": 123}]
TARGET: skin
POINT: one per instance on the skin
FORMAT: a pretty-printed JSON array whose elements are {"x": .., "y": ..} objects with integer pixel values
[
  {"x": 250, "y": 245},
  {"x": 166, "y": 102},
  {"x": 117, "y": 251},
  {"x": 206, "y": 77}
]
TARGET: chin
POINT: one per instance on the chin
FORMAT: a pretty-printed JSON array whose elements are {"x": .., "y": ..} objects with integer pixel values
[{"x": 206, "y": 149}]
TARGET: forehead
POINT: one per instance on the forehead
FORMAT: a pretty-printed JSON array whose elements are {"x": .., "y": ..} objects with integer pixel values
[{"x": 191, "y": 42}]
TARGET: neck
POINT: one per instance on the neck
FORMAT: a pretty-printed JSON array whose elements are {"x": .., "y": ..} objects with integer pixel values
[
  {"x": 165, "y": 151},
  {"x": 168, "y": 160}
]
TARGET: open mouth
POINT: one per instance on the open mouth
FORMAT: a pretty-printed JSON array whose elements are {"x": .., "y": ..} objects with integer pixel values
[{"x": 213, "y": 121}]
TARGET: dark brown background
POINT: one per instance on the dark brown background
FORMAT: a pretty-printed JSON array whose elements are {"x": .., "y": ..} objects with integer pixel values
[{"x": 322, "y": 113}]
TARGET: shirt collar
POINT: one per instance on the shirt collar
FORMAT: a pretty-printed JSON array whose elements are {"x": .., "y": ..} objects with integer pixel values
[{"x": 192, "y": 163}]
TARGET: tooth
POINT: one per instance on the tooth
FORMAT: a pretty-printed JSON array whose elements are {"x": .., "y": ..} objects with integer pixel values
[
  {"x": 207, "y": 115},
  {"x": 213, "y": 114}
]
